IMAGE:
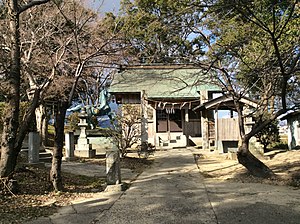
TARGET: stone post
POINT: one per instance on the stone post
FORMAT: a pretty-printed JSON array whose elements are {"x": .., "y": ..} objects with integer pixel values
[
  {"x": 33, "y": 147},
  {"x": 69, "y": 144},
  {"x": 113, "y": 171}
]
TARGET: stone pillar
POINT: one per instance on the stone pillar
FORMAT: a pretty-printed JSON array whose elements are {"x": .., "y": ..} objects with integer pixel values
[
  {"x": 33, "y": 147},
  {"x": 69, "y": 144},
  {"x": 113, "y": 171}
]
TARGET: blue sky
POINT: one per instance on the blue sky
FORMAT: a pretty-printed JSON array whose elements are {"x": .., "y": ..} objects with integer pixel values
[
  {"x": 111, "y": 5},
  {"x": 104, "y": 5}
]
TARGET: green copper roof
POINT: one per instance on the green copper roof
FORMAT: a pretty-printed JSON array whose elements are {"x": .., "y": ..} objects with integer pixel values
[{"x": 163, "y": 82}]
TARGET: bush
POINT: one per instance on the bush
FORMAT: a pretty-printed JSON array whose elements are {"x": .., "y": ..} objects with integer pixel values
[
  {"x": 279, "y": 145},
  {"x": 268, "y": 135},
  {"x": 73, "y": 120},
  {"x": 23, "y": 108},
  {"x": 126, "y": 130}
]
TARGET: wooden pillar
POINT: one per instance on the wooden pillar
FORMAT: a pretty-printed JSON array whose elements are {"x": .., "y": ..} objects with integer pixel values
[
  {"x": 204, "y": 127},
  {"x": 216, "y": 127},
  {"x": 169, "y": 127},
  {"x": 186, "y": 125},
  {"x": 154, "y": 126},
  {"x": 204, "y": 120},
  {"x": 186, "y": 115},
  {"x": 144, "y": 120}
]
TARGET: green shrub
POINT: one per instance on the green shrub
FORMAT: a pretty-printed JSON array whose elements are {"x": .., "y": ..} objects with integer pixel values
[
  {"x": 269, "y": 135},
  {"x": 23, "y": 108},
  {"x": 279, "y": 145},
  {"x": 73, "y": 120}
]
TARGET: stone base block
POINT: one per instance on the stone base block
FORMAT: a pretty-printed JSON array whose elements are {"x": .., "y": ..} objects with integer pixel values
[
  {"x": 85, "y": 153},
  {"x": 232, "y": 155},
  {"x": 68, "y": 159},
  {"x": 83, "y": 147},
  {"x": 114, "y": 188},
  {"x": 36, "y": 165}
]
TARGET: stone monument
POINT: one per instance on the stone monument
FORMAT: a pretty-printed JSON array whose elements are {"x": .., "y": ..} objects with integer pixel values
[
  {"x": 69, "y": 144},
  {"x": 113, "y": 170},
  {"x": 33, "y": 147}
]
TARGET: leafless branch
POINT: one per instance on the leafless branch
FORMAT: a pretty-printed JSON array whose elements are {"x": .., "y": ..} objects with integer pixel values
[{"x": 31, "y": 4}]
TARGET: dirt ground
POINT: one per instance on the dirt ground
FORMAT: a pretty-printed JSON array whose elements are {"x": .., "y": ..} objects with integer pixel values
[
  {"x": 36, "y": 197},
  {"x": 285, "y": 165}
]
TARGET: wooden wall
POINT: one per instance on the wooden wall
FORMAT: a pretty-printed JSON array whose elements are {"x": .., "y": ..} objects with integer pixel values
[{"x": 228, "y": 129}]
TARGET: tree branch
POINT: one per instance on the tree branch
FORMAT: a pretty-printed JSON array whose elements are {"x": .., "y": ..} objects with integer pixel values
[
  {"x": 287, "y": 20},
  {"x": 31, "y": 4}
]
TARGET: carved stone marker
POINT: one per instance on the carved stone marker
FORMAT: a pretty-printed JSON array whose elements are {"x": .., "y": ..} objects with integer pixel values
[
  {"x": 69, "y": 144},
  {"x": 33, "y": 147},
  {"x": 113, "y": 172}
]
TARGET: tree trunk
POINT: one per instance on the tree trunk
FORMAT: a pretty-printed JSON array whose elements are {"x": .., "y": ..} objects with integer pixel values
[
  {"x": 245, "y": 157},
  {"x": 41, "y": 124},
  {"x": 8, "y": 154},
  {"x": 251, "y": 163},
  {"x": 45, "y": 132},
  {"x": 11, "y": 148},
  {"x": 11, "y": 117},
  {"x": 265, "y": 147},
  {"x": 55, "y": 173}
]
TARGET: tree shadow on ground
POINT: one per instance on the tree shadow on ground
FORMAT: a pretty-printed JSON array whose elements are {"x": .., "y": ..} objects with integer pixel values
[{"x": 286, "y": 169}]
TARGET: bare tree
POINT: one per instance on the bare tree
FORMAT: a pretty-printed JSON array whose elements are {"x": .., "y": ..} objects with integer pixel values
[
  {"x": 57, "y": 49},
  {"x": 40, "y": 55},
  {"x": 14, "y": 133},
  {"x": 255, "y": 54},
  {"x": 126, "y": 128},
  {"x": 90, "y": 47}
]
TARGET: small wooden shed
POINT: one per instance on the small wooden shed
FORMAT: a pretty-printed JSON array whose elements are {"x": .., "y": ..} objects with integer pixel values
[
  {"x": 293, "y": 122},
  {"x": 223, "y": 133}
]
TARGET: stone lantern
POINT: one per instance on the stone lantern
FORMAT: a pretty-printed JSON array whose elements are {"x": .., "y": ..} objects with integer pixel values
[
  {"x": 83, "y": 148},
  {"x": 83, "y": 124}
]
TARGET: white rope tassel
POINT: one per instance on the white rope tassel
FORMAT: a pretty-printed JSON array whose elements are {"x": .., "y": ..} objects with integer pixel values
[
  {"x": 172, "y": 109},
  {"x": 164, "y": 105},
  {"x": 159, "y": 105}
]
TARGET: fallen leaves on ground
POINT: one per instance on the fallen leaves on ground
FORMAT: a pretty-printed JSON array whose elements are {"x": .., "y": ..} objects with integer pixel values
[{"x": 36, "y": 197}]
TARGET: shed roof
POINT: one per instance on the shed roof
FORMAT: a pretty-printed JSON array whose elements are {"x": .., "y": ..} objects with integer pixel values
[
  {"x": 225, "y": 101},
  {"x": 290, "y": 115},
  {"x": 163, "y": 81}
]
